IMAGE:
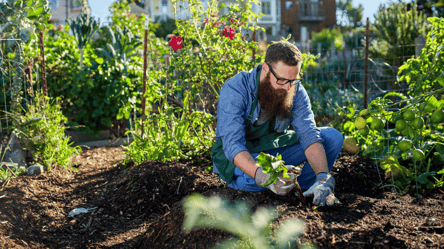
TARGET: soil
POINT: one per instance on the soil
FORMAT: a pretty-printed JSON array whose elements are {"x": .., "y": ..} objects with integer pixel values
[{"x": 141, "y": 207}]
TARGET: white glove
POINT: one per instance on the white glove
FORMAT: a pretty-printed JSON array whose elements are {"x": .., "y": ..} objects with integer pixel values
[{"x": 322, "y": 190}]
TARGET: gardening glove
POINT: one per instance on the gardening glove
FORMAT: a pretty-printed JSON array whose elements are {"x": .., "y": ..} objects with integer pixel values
[
  {"x": 322, "y": 190},
  {"x": 282, "y": 185}
]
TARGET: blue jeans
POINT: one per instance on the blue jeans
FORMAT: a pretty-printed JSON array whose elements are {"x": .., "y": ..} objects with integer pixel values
[{"x": 293, "y": 155}]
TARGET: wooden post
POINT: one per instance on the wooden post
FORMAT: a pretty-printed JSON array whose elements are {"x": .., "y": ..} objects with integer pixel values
[
  {"x": 145, "y": 41},
  {"x": 366, "y": 65},
  {"x": 345, "y": 65},
  {"x": 42, "y": 54}
]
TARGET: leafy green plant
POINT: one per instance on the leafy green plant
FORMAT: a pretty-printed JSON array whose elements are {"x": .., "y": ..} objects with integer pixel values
[
  {"x": 251, "y": 231},
  {"x": 272, "y": 165},
  {"x": 328, "y": 37},
  {"x": 5, "y": 173},
  {"x": 395, "y": 29},
  {"x": 42, "y": 131},
  {"x": 424, "y": 73},
  {"x": 83, "y": 28},
  {"x": 18, "y": 21}
]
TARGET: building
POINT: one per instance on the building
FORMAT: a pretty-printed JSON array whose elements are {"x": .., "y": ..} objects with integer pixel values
[
  {"x": 301, "y": 18},
  {"x": 60, "y": 13}
]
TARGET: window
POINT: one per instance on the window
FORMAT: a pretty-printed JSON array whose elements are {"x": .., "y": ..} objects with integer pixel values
[
  {"x": 266, "y": 7},
  {"x": 53, "y": 4},
  {"x": 164, "y": 2},
  {"x": 289, "y": 5},
  {"x": 76, "y": 4}
]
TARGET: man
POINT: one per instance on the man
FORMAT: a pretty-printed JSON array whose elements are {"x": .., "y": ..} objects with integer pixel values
[{"x": 254, "y": 114}]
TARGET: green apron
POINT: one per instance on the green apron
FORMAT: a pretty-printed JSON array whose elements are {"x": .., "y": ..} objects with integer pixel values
[{"x": 259, "y": 138}]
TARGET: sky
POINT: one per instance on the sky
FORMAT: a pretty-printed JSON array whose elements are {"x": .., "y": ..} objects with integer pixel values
[{"x": 100, "y": 8}]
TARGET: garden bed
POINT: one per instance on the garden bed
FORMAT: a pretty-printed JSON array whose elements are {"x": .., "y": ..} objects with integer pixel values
[{"x": 140, "y": 207}]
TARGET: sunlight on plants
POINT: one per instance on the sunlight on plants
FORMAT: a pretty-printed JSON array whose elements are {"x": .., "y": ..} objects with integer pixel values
[{"x": 251, "y": 230}]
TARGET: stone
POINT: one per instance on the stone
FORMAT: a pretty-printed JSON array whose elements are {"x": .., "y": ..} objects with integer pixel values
[
  {"x": 35, "y": 169},
  {"x": 14, "y": 152}
]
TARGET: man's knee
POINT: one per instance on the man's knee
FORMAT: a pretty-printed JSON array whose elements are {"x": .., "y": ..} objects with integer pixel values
[{"x": 332, "y": 137}]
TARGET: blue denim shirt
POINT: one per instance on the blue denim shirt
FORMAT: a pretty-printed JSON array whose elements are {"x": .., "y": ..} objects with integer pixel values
[{"x": 235, "y": 103}]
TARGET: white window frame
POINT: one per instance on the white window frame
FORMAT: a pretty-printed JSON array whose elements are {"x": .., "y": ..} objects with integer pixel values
[{"x": 266, "y": 8}]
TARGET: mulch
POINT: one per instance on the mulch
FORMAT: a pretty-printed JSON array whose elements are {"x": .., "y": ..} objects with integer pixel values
[{"x": 141, "y": 207}]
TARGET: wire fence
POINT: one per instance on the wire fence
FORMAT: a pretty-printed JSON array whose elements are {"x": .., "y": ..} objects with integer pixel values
[{"x": 338, "y": 78}]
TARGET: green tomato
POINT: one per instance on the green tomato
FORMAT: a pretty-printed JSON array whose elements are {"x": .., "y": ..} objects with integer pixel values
[
  {"x": 418, "y": 123},
  {"x": 377, "y": 124},
  {"x": 409, "y": 115},
  {"x": 418, "y": 155},
  {"x": 438, "y": 116},
  {"x": 401, "y": 125},
  {"x": 405, "y": 145},
  {"x": 360, "y": 123},
  {"x": 364, "y": 132}
]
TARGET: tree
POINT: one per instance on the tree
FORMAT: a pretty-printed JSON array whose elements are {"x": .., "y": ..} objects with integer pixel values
[
  {"x": 395, "y": 30},
  {"x": 431, "y": 7},
  {"x": 349, "y": 17}
]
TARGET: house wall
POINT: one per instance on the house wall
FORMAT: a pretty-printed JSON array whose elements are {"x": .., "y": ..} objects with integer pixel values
[{"x": 291, "y": 23}]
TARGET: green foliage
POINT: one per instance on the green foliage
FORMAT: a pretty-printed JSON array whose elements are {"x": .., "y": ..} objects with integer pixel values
[
  {"x": 424, "y": 73},
  {"x": 164, "y": 27},
  {"x": 18, "y": 20},
  {"x": 83, "y": 28},
  {"x": 5, "y": 173},
  {"x": 351, "y": 17},
  {"x": 399, "y": 152},
  {"x": 251, "y": 231},
  {"x": 42, "y": 130},
  {"x": 395, "y": 30},
  {"x": 273, "y": 166},
  {"x": 328, "y": 37}
]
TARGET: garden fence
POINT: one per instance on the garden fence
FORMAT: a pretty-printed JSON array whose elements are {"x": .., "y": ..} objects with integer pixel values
[{"x": 336, "y": 80}]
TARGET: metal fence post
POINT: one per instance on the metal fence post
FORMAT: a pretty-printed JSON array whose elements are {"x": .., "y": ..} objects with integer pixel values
[{"x": 366, "y": 64}]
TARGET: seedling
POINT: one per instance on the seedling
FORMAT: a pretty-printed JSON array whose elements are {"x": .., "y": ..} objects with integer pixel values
[{"x": 274, "y": 166}]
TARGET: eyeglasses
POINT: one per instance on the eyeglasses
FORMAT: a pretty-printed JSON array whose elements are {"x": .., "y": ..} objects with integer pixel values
[{"x": 281, "y": 81}]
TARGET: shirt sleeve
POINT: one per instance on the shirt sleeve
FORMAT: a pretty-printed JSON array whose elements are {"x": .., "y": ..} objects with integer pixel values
[
  {"x": 231, "y": 116},
  {"x": 303, "y": 119}
]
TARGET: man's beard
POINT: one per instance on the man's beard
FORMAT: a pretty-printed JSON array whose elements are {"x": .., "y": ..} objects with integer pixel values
[{"x": 276, "y": 102}]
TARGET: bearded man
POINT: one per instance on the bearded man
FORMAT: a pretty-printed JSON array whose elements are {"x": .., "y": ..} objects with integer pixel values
[{"x": 268, "y": 110}]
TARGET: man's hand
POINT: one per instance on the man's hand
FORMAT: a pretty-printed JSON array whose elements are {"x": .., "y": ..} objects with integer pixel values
[
  {"x": 282, "y": 185},
  {"x": 323, "y": 190}
]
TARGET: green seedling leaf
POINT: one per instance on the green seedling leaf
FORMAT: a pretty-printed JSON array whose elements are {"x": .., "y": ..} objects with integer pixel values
[
  {"x": 273, "y": 166},
  {"x": 423, "y": 178}
]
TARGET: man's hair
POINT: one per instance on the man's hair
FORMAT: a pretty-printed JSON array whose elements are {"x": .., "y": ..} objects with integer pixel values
[{"x": 283, "y": 51}]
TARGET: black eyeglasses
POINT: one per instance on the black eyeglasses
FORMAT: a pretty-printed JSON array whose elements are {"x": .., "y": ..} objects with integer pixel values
[{"x": 281, "y": 81}]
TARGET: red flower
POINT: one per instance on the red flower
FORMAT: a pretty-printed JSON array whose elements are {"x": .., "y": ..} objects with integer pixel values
[
  {"x": 206, "y": 21},
  {"x": 176, "y": 42},
  {"x": 229, "y": 32},
  {"x": 137, "y": 16}
]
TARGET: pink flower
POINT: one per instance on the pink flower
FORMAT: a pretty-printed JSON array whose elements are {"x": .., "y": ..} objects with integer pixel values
[
  {"x": 217, "y": 24},
  {"x": 206, "y": 21},
  {"x": 59, "y": 27},
  {"x": 137, "y": 16},
  {"x": 176, "y": 42},
  {"x": 129, "y": 14},
  {"x": 229, "y": 32}
]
